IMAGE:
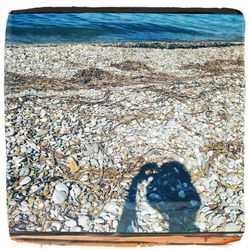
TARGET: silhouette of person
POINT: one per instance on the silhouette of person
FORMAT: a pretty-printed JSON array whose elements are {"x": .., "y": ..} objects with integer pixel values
[
  {"x": 170, "y": 192},
  {"x": 128, "y": 217}
]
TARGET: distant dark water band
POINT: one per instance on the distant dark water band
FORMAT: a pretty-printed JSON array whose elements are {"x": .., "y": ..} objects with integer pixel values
[{"x": 127, "y": 10}]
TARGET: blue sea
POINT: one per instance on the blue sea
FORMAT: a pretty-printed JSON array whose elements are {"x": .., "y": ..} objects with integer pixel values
[{"x": 123, "y": 27}]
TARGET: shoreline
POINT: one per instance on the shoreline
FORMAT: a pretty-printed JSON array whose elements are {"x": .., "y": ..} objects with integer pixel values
[{"x": 154, "y": 44}]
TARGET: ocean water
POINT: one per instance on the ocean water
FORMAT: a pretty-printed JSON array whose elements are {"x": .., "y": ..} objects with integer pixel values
[{"x": 123, "y": 27}]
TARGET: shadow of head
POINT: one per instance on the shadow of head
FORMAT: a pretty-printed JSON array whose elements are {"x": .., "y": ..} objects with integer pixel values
[{"x": 170, "y": 191}]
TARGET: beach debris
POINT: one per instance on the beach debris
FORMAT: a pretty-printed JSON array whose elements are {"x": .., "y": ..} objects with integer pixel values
[{"x": 72, "y": 164}]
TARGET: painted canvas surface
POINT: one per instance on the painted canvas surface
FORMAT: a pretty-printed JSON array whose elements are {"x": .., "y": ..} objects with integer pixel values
[{"x": 125, "y": 122}]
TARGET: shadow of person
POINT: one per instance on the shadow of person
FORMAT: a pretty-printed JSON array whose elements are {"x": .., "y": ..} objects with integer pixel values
[
  {"x": 128, "y": 218},
  {"x": 170, "y": 191}
]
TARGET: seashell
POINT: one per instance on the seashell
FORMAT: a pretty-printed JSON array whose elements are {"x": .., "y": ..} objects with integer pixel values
[
  {"x": 71, "y": 223},
  {"x": 158, "y": 229},
  {"x": 216, "y": 220},
  {"x": 95, "y": 148},
  {"x": 102, "y": 214},
  {"x": 200, "y": 188},
  {"x": 32, "y": 145},
  {"x": 59, "y": 196},
  {"x": 150, "y": 178},
  {"x": 194, "y": 203},
  {"x": 185, "y": 185},
  {"x": 42, "y": 113},
  {"x": 32, "y": 218},
  {"x": 56, "y": 224},
  {"x": 87, "y": 205},
  {"x": 155, "y": 197},
  {"x": 75, "y": 229},
  {"x": 41, "y": 132},
  {"x": 46, "y": 191},
  {"x": 24, "y": 171},
  {"x": 25, "y": 181},
  {"x": 242, "y": 218},
  {"x": 94, "y": 163},
  {"x": 87, "y": 130},
  {"x": 72, "y": 164},
  {"x": 77, "y": 191},
  {"x": 110, "y": 150},
  {"x": 62, "y": 187},
  {"x": 93, "y": 122},
  {"x": 232, "y": 227},
  {"x": 18, "y": 160},
  {"x": 84, "y": 177},
  {"x": 182, "y": 194},
  {"x": 88, "y": 151},
  {"x": 202, "y": 225},
  {"x": 99, "y": 220},
  {"x": 130, "y": 229},
  {"x": 35, "y": 188},
  {"x": 210, "y": 153},
  {"x": 24, "y": 209},
  {"x": 83, "y": 220}
]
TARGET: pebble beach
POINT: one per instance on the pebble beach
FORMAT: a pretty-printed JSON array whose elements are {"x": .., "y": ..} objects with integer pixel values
[{"x": 83, "y": 119}]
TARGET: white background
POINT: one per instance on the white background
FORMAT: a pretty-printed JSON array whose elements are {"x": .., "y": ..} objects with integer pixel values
[{"x": 7, "y": 6}]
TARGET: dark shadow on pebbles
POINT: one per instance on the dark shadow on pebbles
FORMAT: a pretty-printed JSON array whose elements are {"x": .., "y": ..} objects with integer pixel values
[
  {"x": 170, "y": 192},
  {"x": 131, "y": 65},
  {"x": 87, "y": 75}
]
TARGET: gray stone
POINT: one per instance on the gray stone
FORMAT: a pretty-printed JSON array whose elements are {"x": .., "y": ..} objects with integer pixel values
[
  {"x": 88, "y": 151},
  {"x": 155, "y": 197},
  {"x": 62, "y": 187},
  {"x": 130, "y": 229},
  {"x": 110, "y": 207},
  {"x": 24, "y": 171},
  {"x": 35, "y": 188},
  {"x": 216, "y": 220},
  {"x": 194, "y": 203},
  {"x": 43, "y": 113},
  {"x": 25, "y": 181},
  {"x": 99, "y": 220},
  {"x": 130, "y": 205},
  {"x": 83, "y": 221},
  {"x": 158, "y": 229},
  {"x": 115, "y": 223},
  {"x": 75, "y": 229},
  {"x": 182, "y": 194},
  {"x": 59, "y": 196},
  {"x": 150, "y": 178},
  {"x": 71, "y": 223},
  {"x": 84, "y": 177},
  {"x": 232, "y": 227},
  {"x": 110, "y": 151},
  {"x": 94, "y": 163},
  {"x": 87, "y": 205}
]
